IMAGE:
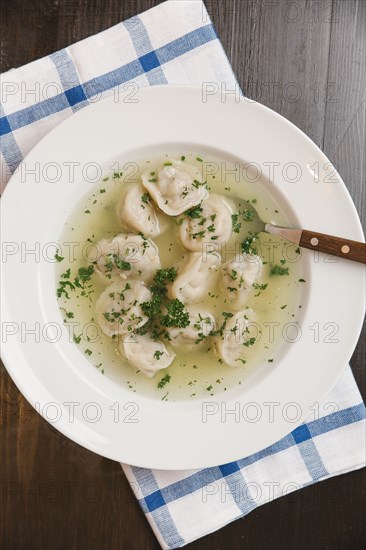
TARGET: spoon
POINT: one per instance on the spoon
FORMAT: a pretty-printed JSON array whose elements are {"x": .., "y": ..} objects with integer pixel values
[{"x": 336, "y": 246}]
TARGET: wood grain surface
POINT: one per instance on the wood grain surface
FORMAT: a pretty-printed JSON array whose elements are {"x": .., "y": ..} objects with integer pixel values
[{"x": 307, "y": 61}]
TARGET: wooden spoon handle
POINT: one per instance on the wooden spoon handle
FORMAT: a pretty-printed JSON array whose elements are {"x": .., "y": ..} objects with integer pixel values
[{"x": 344, "y": 248}]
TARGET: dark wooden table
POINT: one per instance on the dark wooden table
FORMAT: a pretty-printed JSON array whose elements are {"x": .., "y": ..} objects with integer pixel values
[{"x": 307, "y": 61}]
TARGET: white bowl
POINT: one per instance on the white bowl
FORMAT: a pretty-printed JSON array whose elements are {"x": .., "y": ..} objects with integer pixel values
[{"x": 95, "y": 411}]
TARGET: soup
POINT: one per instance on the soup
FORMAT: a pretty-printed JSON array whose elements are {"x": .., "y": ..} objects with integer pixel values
[{"x": 172, "y": 290}]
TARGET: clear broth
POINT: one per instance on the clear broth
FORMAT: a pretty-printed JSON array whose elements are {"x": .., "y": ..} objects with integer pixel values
[{"x": 198, "y": 373}]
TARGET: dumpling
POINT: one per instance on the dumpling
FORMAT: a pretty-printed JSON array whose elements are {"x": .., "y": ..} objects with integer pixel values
[
  {"x": 118, "y": 308},
  {"x": 176, "y": 187},
  {"x": 195, "y": 335},
  {"x": 196, "y": 276},
  {"x": 125, "y": 256},
  {"x": 236, "y": 338},
  {"x": 238, "y": 277},
  {"x": 146, "y": 354},
  {"x": 135, "y": 211},
  {"x": 209, "y": 222}
]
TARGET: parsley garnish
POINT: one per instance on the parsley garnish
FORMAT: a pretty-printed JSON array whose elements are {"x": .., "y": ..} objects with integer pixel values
[
  {"x": 85, "y": 273},
  {"x": 164, "y": 275},
  {"x": 278, "y": 270},
  {"x": 121, "y": 264},
  {"x": 176, "y": 315},
  {"x": 59, "y": 258},
  {"x": 146, "y": 197},
  {"x": 165, "y": 380},
  {"x": 247, "y": 246},
  {"x": 260, "y": 287},
  {"x": 236, "y": 224},
  {"x": 194, "y": 212},
  {"x": 249, "y": 342},
  {"x": 248, "y": 215}
]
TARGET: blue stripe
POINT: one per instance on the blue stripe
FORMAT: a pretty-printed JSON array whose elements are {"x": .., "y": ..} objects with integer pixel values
[
  {"x": 240, "y": 492},
  {"x": 302, "y": 433},
  {"x": 337, "y": 420},
  {"x": 309, "y": 452},
  {"x": 186, "y": 43},
  {"x": 40, "y": 110},
  {"x": 312, "y": 459},
  {"x": 69, "y": 79},
  {"x": 200, "y": 479},
  {"x": 147, "y": 57},
  {"x": 112, "y": 79},
  {"x": 161, "y": 515},
  {"x": 206, "y": 476},
  {"x": 8, "y": 145},
  {"x": 230, "y": 468}
]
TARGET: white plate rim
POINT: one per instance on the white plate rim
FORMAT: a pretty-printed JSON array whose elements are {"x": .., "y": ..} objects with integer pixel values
[{"x": 176, "y": 459}]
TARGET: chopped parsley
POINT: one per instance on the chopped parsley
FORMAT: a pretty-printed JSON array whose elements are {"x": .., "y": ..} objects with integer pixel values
[
  {"x": 165, "y": 380},
  {"x": 161, "y": 311},
  {"x": 85, "y": 273},
  {"x": 236, "y": 224},
  {"x": 176, "y": 316},
  {"x": 146, "y": 197},
  {"x": 260, "y": 287},
  {"x": 118, "y": 262},
  {"x": 250, "y": 342},
  {"x": 59, "y": 258},
  {"x": 198, "y": 235},
  {"x": 248, "y": 215},
  {"x": 278, "y": 270},
  {"x": 83, "y": 277},
  {"x": 247, "y": 246},
  {"x": 194, "y": 212},
  {"x": 163, "y": 276}
]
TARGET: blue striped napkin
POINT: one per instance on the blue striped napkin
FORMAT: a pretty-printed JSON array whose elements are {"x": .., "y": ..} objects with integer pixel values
[{"x": 175, "y": 43}]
